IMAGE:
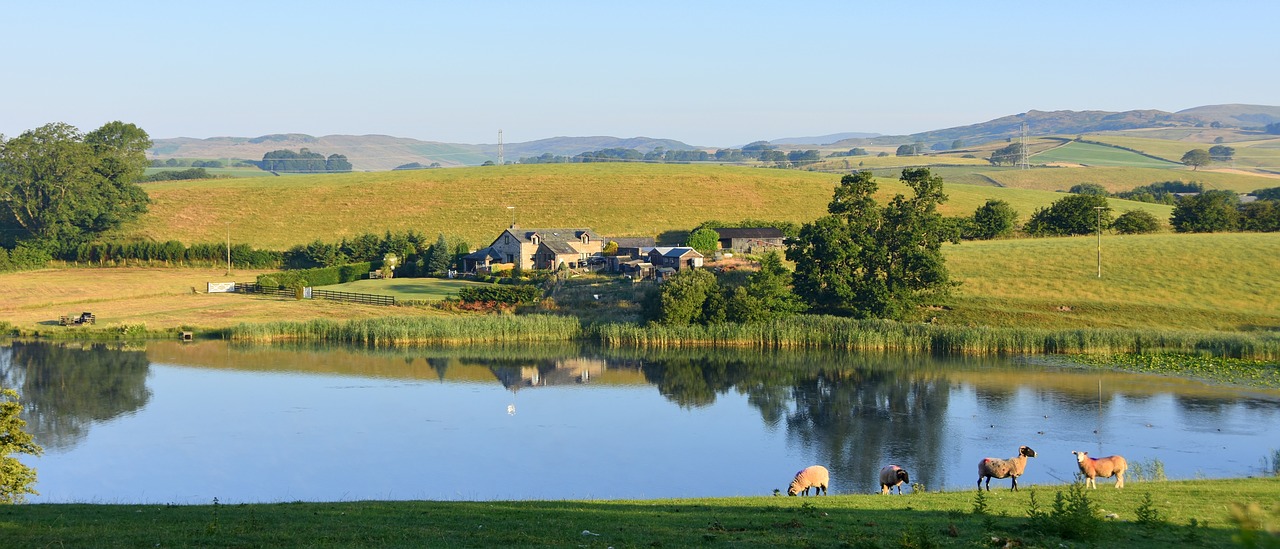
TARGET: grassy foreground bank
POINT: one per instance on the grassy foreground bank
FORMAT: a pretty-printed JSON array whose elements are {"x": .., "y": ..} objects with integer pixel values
[{"x": 1146, "y": 514}]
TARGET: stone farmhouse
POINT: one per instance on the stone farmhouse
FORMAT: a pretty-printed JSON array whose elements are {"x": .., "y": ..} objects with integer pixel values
[{"x": 536, "y": 249}]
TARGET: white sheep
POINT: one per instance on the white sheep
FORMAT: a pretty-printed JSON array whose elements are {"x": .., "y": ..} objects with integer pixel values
[
  {"x": 815, "y": 476},
  {"x": 1110, "y": 466},
  {"x": 891, "y": 476},
  {"x": 990, "y": 468}
]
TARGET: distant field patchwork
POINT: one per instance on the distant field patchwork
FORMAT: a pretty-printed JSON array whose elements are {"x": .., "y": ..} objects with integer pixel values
[{"x": 1089, "y": 154}]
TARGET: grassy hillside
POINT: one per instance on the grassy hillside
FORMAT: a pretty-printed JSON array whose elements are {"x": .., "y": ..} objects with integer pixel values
[
  {"x": 1180, "y": 281},
  {"x": 615, "y": 199}
]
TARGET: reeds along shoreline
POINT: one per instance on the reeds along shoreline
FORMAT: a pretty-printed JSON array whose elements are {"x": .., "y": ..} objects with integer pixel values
[{"x": 798, "y": 332}]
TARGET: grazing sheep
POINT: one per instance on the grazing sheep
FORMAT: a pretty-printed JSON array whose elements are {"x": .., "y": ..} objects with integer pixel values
[
  {"x": 891, "y": 476},
  {"x": 1013, "y": 467},
  {"x": 815, "y": 476},
  {"x": 1110, "y": 466}
]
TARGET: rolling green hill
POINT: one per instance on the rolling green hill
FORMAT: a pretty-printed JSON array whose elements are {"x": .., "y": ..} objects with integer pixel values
[{"x": 614, "y": 199}]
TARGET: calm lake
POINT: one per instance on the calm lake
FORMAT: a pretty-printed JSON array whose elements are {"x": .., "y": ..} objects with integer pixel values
[{"x": 168, "y": 422}]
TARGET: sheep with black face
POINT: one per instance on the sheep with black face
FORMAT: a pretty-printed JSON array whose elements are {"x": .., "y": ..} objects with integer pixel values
[
  {"x": 1013, "y": 467},
  {"x": 891, "y": 476}
]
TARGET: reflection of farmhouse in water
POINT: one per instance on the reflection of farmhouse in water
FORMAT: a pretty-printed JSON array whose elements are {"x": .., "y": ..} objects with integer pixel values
[{"x": 569, "y": 371}]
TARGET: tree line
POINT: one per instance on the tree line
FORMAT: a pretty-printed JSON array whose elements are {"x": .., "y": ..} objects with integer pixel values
[
  {"x": 303, "y": 161},
  {"x": 758, "y": 151}
]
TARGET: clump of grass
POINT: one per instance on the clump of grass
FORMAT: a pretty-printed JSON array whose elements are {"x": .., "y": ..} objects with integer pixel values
[
  {"x": 1149, "y": 470},
  {"x": 1253, "y": 527},
  {"x": 1271, "y": 464}
]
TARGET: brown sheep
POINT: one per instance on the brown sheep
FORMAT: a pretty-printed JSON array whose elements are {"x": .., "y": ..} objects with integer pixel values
[
  {"x": 891, "y": 476},
  {"x": 814, "y": 476},
  {"x": 1110, "y": 466},
  {"x": 1013, "y": 467}
]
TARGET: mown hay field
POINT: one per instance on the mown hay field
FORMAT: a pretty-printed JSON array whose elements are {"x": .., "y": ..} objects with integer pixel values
[
  {"x": 614, "y": 199},
  {"x": 1179, "y": 281},
  {"x": 158, "y": 298}
]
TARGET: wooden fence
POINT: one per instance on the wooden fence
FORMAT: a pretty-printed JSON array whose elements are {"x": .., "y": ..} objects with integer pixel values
[
  {"x": 367, "y": 299},
  {"x": 312, "y": 293}
]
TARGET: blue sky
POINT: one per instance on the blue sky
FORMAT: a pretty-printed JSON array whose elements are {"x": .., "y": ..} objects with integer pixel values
[{"x": 707, "y": 73}]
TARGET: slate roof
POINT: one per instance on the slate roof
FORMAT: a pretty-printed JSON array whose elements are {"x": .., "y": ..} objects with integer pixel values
[
  {"x": 675, "y": 251},
  {"x": 548, "y": 235},
  {"x": 750, "y": 232},
  {"x": 633, "y": 241},
  {"x": 559, "y": 247},
  {"x": 484, "y": 253}
]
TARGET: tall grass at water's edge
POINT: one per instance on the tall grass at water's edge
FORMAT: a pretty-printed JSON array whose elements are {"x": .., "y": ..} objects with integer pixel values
[{"x": 799, "y": 332}]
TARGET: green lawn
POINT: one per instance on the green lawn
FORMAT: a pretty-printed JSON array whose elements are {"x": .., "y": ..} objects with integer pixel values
[
  {"x": 1144, "y": 514},
  {"x": 425, "y": 289}
]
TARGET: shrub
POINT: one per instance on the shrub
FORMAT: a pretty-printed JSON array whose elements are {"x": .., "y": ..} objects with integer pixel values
[
  {"x": 506, "y": 294},
  {"x": 993, "y": 219},
  {"x": 1207, "y": 212},
  {"x": 1072, "y": 215},
  {"x": 1136, "y": 222}
]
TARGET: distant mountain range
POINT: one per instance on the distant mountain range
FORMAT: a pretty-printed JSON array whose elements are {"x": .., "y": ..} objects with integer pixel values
[{"x": 382, "y": 152}]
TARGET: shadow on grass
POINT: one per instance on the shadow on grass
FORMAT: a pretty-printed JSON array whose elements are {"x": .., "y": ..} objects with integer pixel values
[{"x": 777, "y": 522}]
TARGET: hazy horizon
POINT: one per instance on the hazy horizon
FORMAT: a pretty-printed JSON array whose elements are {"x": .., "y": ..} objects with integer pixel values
[{"x": 712, "y": 74}]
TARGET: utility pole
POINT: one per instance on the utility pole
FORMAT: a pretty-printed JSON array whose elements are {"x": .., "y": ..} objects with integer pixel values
[
  {"x": 500, "y": 160},
  {"x": 228, "y": 248},
  {"x": 513, "y": 215}
]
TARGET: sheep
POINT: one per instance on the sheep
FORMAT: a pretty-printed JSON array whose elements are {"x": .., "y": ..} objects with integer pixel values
[
  {"x": 815, "y": 476},
  {"x": 1013, "y": 467},
  {"x": 891, "y": 476},
  {"x": 1110, "y": 466}
]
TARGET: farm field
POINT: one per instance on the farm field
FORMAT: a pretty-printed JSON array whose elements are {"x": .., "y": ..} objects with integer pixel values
[
  {"x": 1089, "y": 154},
  {"x": 1262, "y": 152},
  {"x": 1165, "y": 281},
  {"x": 614, "y": 199},
  {"x": 1116, "y": 179},
  {"x": 159, "y": 298},
  {"x": 1179, "y": 281}
]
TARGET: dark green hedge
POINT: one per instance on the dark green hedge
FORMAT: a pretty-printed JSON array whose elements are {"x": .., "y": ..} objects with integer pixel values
[
  {"x": 323, "y": 276},
  {"x": 500, "y": 293}
]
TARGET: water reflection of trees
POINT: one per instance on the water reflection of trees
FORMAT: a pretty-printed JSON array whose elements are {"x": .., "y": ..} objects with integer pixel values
[
  {"x": 65, "y": 388},
  {"x": 856, "y": 413}
]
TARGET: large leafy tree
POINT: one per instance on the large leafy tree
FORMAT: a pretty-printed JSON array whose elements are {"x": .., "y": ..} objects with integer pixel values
[
  {"x": 1207, "y": 212},
  {"x": 1196, "y": 158},
  {"x": 868, "y": 261},
  {"x": 59, "y": 188}
]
